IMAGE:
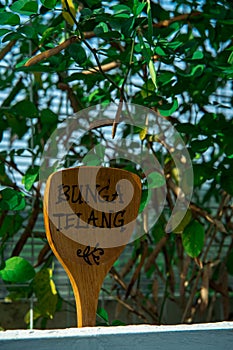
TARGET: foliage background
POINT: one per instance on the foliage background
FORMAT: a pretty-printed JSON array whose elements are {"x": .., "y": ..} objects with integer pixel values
[{"x": 172, "y": 56}]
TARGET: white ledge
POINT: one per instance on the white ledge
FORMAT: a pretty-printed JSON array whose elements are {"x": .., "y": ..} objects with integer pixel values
[{"x": 183, "y": 337}]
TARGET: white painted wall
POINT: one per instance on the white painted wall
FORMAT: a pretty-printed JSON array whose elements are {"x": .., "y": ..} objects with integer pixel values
[{"x": 213, "y": 336}]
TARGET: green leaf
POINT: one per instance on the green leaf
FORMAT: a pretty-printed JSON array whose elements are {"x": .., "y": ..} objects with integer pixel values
[
  {"x": 159, "y": 51},
  {"x": 145, "y": 198},
  {"x": 128, "y": 27},
  {"x": 91, "y": 3},
  {"x": 201, "y": 145},
  {"x": 168, "y": 108},
  {"x": 17, "y": 270},
  {"x": 226, "y": 21},
  {"x": 208, "y": 123},
  {"x": 36, "y": 315},
  {"x": 28, "y": 31},
  {"x": 230, "y": 58},
  {"x": 18, "y": 292},
  {"x": 25, "y": 108},
  {"x": 30, "y": 177},
  {"x": 174, "y": 44},
  {"x": 91, "y": 160},
  {"x": 8, "y": 18},
  {"x": 30, "y": 8},
  {"x": 25, "y": 7},
  {"x": 198, "y": 55},
  {"x": 197, "y": 70},
  {"x": 17, "y": 124},
  {"x": 49, "y": 4},
  {"x": 155, "y": 180},
  {"x": 158, "y": 231},
  {"x": 148, "y": 89},
  {"x": 199, "y": 174},
  {"x": 152, "y": 73},
  {"x": 150, "y": 22},
  {"x": 144, "y": 49},
  {"x": 193, "y": 238},
  {"x": 77, "y": 52},
  {"x": 3, "y": 31},
  {"x": 138, "y": 7},
  {"x": 121, "y": 9},
  {"x": 188, "y": 128},
  {"x": 229, "y": 151},
  {"x": 11, "y": 199},
  {"x": 11, "y": 36},
  {"x": 4, "y": 178},
  {"x": 100, "y": 151},
  {"x": 46, "y": 293},
  {"x": 118, "y": 323},
  {"x": 102, "y": 313},
  {"x": 34, "y": 68},
  {"x": 165, "y": 78},
  {"x": 11, "y": 224},
  {"x": 202, "y": 172},
  {"x": 48, "y": 117},
  {"x": 47, "y": 34},
  {"x": 226, "y": 181},
  {"x": 101, "y": 28}
]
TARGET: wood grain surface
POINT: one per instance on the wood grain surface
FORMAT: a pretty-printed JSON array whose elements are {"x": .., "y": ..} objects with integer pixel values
[{"x": 89, "y": 215}]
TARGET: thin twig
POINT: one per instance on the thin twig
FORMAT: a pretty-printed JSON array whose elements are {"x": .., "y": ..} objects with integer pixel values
[
  {"x": 155, "y": 253},
  {"x": 138, "y": 268},
  {"x": 93, "y": 51},
  {"x": 129, "y": 265},
  {"x": 117, "y": 117},
  {"x": 127, "y": 306},
  {"x": 137, "y": 296},
  {"x": 122, "y": 98}
]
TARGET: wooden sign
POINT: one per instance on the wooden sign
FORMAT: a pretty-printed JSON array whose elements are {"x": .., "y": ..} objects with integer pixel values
[{"x": 89, "y": 215}]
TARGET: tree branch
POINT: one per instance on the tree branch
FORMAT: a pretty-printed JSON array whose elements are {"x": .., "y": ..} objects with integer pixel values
[
  {"x": 138, "y": 268},
  {"x": 7, "y": 49},
  {"x": 179, "y": 18},
  {"x": 104, "y": 68},
  {"x": 71, "y": 96},
  {"x": 52, "y": 52}
]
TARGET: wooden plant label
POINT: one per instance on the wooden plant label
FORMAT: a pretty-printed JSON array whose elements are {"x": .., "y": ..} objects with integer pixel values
[{"x": 89, "y": 215}]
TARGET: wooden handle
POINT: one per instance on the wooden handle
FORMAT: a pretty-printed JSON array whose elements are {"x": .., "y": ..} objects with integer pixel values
[{"x": 89, "y": 215}]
